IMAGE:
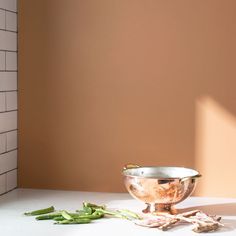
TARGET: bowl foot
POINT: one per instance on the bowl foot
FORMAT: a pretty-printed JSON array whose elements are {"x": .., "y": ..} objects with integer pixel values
[{"x": 160, "y": 209}]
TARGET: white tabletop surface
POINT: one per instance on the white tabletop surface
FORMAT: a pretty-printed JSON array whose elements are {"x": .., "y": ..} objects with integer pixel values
[{"x": 15, "y": 203}]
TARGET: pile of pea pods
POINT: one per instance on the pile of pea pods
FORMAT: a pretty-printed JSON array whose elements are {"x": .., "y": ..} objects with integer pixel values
[{"x": 87, "y": 214}]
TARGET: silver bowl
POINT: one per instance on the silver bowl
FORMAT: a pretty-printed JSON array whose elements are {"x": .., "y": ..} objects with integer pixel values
[{"x": 160, "y": 187}]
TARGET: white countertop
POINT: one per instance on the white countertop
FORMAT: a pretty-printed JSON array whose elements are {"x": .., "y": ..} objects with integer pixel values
[{"x": 15, "y": 203}]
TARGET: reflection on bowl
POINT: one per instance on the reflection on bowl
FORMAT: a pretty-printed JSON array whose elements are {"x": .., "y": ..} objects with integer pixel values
[{"x": 160, "y": 187}]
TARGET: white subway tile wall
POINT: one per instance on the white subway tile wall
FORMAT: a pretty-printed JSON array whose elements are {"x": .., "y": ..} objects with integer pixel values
[
  {"x": 8, "y": 95},
  {"x": 11, "y": 101},
  {"x": 8, "y": 161},
  {"x": 11, "y": 141},
  {"x": 8, "y": 81},
  {"x": 3, "y": 143},
  {"x": 11, "y": 61},
  {"x": 10, "y": 5},
  {"x": 2, "y": 19},
  {"x": 2, "y": 61},
  {"x": 11, "y": 21},
  {"x": 2, "y": 101},
  {"x": 11, "y": 179},
  {"x": 8, "y": 40},
  {"x": 3, "y": 185}
]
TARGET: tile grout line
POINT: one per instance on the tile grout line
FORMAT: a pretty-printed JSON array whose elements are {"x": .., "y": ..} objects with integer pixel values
[
  {"x": 7, "y": 50},
  {"x": 5, "y": 19},
  {"x": 8, "y": 191},
  {"x": 6, "y": 141},
  {"x": 5, "y": 61},
  {"x": 8, "y": 171},
  {"x": 5, "y": 101},
  {"x": 6, "y": 30},
  {"x": 6, "y": 91},
  {"x": 8, "y": 111},
  {"x": 11, "y": 150},
  {"x": 8, "y": 10},
  {"x": 5, "y": 182},
  {"x": 8, "y": 131}
]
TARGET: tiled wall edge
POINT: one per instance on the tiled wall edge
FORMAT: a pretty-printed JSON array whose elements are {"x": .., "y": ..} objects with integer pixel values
[{"x": 8, "y": 95}]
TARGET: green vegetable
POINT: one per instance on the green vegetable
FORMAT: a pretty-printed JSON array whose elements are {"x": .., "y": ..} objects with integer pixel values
[
  {"x": 66, "y": 215},
  {"x": 124, "y": 214},
  {"x": 74, "y": 221},
  {"x": 89, "y": 208},
  {"x": 95, "y": 215},
  {"x": 59, "y": 218},
  {"x": 82, "y": 212},
  {"x": 40, "y": 212},
  {"x": 112, "y": 213},
  {"x": 89, "y": 212},
  {"x": 48, "y": 216},
  {"x": 130, "y": 214},
  {"x": 93, "y": 206}
]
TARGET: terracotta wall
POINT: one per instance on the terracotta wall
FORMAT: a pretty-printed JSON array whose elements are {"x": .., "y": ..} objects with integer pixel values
[{"x": 103, "y": 83}]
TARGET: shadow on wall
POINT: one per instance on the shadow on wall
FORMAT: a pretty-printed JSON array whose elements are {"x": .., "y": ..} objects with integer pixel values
[{"x": 215, "y": 148}]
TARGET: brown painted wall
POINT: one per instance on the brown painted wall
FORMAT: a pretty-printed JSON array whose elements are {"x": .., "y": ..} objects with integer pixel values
[{"x": 103, "y": 83}]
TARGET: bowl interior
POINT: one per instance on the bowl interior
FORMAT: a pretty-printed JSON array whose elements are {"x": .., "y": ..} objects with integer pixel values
[{"x": 161, "y": 172}]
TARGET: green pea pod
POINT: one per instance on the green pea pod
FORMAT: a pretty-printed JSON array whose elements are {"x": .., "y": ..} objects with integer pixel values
[
  {"x": 94, "y": 206},
  {"x": 88, "y": 210},
  {"x": 48, "y": 216},
  {"x": 81, "y": 212},
  {"x": 95, "y": 215},
  {"x": 66, "y": 215},
  {"x": 78, "y": 214},
  {"x": 59, "y": 218},
  {"x": 82, "y": 221},
  {"x": 130, "y": 214},
  {"x": 40, "y": 211},
  {"x": 74, "y": 221}
]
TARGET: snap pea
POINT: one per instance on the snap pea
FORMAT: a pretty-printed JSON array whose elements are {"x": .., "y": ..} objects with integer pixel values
[
  {"x": 66, "y": 215},
  {"x": 88, "y": 210},
  {"x": 124, "y": 214},
  {"x": 82, "y": 212},
  {"x": 74, "y": 221},
  {"x": 82, "y": 221},
  {"x": 40, "y": 211},
  {"x": 48, "y": 216},
  {"x": 93, "y": 206},
  {"x": 78, "y": 214},
  {"x": 95, "y": 215},
  {"x": 58, "y": 218},
  {"x": 112, "y": 213},
  {"x": 130, "y": 214},
  {"x": 86, "y": 215}
]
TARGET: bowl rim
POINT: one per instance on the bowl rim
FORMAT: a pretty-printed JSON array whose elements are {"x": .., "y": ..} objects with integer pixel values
[{"x": 196, "y": 175}]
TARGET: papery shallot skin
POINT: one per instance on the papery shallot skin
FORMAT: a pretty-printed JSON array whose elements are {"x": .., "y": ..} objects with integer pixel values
[{"x": 202, "y": 221}]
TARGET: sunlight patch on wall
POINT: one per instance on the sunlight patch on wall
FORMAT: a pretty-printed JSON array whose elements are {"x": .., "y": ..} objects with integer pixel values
[{"x": 215, "y": 153}]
